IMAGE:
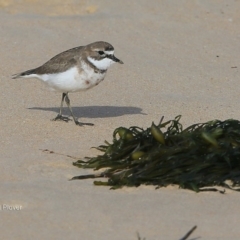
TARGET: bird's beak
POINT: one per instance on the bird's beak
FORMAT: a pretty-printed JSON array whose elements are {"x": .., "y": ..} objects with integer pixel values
[{"x": 115, "y": 59}]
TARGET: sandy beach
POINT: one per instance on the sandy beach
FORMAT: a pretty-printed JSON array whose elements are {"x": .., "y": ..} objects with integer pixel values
[{"x": 180, "y": 57}]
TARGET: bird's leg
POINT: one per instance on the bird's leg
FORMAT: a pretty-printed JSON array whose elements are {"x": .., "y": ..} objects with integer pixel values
[
  {"x": 60, "y": 116},
  {"x": 67, "y": 100},
  {"x": 61, "y": 106}
]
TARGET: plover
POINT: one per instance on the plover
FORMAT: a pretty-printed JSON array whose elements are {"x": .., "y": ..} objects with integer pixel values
[{"x": 74, "y": 70}]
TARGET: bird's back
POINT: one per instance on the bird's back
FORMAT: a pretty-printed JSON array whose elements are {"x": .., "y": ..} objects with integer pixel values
[{"x": 59, "y": 63}]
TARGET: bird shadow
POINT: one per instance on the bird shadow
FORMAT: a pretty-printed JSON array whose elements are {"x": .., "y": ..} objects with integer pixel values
[{"x": 96, "y": 111}]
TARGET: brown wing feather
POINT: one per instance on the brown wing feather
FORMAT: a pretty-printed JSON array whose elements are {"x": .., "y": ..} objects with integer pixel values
[{"x": 61, "y": 62}]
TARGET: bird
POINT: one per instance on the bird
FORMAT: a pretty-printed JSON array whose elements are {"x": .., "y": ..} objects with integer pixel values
[{"x": 77, "y": 69}]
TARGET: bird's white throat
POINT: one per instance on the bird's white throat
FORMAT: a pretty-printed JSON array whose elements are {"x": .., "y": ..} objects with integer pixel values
[{"x": 102, "y": 64}]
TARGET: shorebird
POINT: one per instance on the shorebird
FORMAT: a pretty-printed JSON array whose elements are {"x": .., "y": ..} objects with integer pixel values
[{"x": 74, "y": 70}]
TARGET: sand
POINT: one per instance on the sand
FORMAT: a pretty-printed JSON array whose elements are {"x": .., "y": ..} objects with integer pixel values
[{"x": 180, "y": 57}]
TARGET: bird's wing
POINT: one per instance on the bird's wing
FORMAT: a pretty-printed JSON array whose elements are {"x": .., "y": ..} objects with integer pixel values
[{"x": 61, "y": 62}]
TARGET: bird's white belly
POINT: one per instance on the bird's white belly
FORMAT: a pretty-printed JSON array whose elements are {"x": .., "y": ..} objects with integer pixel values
[{"x": 73, "y": 80}]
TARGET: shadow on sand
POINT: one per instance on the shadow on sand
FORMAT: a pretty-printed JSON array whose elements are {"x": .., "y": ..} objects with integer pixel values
[{"x": 96, "y": 111}]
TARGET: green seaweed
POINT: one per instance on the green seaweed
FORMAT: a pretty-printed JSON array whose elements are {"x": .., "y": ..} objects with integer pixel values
[{"x": 199, "y": 158}]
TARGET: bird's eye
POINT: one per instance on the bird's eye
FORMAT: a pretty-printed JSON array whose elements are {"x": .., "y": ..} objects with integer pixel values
[{"x": 101, "y": 52}]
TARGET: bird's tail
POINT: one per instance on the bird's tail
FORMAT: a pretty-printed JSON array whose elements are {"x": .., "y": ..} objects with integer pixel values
[{"x": 24, "y": 74}]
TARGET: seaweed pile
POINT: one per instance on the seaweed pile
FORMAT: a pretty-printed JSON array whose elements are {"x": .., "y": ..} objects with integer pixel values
[{"x": 198, "y": 158}]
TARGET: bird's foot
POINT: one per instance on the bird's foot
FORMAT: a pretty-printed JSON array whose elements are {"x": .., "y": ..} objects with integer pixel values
[
  {"x": 82, "y": 124},
  {"x": 61, "y": 118}
]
